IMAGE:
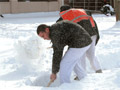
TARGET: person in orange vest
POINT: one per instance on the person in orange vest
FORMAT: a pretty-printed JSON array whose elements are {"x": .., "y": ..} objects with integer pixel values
[{"x": 84, "y": 19}]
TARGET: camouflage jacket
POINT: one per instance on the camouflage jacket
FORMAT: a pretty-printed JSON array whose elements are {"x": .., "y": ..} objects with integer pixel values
[{"x": 66, "y": 33}]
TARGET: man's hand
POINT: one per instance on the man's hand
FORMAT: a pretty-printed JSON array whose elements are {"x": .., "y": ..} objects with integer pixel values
[{"x": 53, "y": 77}]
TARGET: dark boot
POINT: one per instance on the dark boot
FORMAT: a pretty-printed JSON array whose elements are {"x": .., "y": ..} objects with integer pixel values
[
  {"x": 99, "y": 71},
  {"x": 76, "y": 78}
]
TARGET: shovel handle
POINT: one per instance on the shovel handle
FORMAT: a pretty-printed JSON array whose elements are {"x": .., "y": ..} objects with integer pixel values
[
  {"x": 49, "y": 47},
  {"x": 50, "y": 82}
]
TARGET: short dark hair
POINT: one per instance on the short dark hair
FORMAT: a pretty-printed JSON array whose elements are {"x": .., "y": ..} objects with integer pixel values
[
  {"x": 41, "y": 28},
  {"x": 65, "y": 7}
]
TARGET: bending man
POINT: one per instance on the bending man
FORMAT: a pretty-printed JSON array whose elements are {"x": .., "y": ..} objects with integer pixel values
[{"x": 79, "y": 41}]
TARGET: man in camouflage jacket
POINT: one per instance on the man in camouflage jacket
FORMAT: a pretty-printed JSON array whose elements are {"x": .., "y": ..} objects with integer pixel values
[{"x": 79, "y": 41}]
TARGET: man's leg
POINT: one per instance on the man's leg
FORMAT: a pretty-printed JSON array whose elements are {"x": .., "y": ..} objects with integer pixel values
[
  {"x": 80, "y": 65},
  {"x": 70, "y": 59},
  {"x": 91, "y": 56}
]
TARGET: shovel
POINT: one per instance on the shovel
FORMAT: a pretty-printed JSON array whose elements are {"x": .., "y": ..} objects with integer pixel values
[{"x": 50, "y": 82}]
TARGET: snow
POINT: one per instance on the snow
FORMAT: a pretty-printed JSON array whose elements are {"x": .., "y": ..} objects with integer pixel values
[{"x": 25, "y": 60}]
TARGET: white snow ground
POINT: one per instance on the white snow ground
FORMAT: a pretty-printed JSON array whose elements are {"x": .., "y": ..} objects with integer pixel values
[{"x": 25, "y": 63}]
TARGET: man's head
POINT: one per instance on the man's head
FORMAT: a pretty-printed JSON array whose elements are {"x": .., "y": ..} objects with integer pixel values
[
  {"x": 65, "y": 7},
  {"x": 43, "y": 31}
]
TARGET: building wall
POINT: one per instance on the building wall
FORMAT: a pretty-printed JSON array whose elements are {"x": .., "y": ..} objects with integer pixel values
[
  {"x": 13, "y": 6},
  {"x": 4, "y": 7}
]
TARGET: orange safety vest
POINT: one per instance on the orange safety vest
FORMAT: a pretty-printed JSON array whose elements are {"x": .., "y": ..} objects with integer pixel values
[{"x": 76, "y": 15}]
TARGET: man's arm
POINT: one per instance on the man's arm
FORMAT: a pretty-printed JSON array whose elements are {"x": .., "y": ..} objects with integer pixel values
[
  {"x": 96, "y": 29},
  {"x": 57, "y": 56}
]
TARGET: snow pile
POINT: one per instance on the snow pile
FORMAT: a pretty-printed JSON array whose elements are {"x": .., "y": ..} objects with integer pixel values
[
  {"x": 29, "y": 51},
  {"x": 29, "y": 47}
]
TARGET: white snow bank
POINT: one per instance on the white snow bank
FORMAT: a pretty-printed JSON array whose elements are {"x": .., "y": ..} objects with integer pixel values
[
  {"x": 108, "y": 48},
  {"x": 29, "y": 51},
  {"x": 108, "y": 80}
]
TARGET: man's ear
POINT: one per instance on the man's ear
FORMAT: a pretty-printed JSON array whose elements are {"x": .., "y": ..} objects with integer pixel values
[{"x": 47, "y": 30}]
